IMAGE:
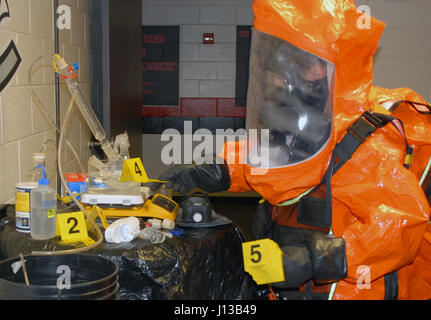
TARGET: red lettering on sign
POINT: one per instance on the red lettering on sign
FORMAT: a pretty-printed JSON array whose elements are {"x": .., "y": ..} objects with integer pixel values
[
  {"x": 245, "y": 33},
  {"x": 160, "y": 66},
  {"x": 154, "y": 38},
  {"x": 144, "y": 52}
]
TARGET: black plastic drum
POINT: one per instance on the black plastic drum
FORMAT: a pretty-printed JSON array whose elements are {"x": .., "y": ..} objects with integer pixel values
[{"x": 64, "y": 277}]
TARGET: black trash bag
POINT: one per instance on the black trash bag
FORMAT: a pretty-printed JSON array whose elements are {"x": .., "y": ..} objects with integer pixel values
[{"x": 202, "y": 264}]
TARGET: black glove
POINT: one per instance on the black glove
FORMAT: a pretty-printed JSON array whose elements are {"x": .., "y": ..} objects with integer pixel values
[
  {"x": 208, "y": 177},
  {"x": 328, "y": 257},
  {"x": 311, "y": 255},
  {"x": 297, "y": 267}
]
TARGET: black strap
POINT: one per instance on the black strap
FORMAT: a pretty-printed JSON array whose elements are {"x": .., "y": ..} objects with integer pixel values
[
  {"x": 308, "y": 290},
  {"x": 361, "y": 129},
  {"x": 356, "y": 135},
  {"x": 328, "y": 205},
  {"x": 428, "y": 191},
  {"x": 425, "y": 108},
  {"x": 391, "y": 286}
]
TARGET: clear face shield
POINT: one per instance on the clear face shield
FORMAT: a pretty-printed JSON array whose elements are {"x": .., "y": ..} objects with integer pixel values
[{"x": 289, "y": 103}]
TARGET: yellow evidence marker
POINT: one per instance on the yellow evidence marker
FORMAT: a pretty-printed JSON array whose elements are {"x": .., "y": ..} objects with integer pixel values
[{"x": 263, "y": 261}]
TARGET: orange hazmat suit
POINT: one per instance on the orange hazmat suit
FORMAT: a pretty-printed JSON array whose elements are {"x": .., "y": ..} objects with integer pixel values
[{"x": 378, "y": 203}]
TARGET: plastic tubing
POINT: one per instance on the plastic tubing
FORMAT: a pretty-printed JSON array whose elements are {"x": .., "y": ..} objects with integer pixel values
[
  {"x": 42, "y": 109},
  {"x": 80, "y": 206},
  {"x": 46, "y": 114}
]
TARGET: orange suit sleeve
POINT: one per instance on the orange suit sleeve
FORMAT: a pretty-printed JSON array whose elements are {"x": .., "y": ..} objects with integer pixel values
[{"x": 234, "y": 154}]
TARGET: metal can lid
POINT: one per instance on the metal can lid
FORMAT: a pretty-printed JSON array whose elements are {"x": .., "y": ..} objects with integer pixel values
[{"x": 27, "y": 185}]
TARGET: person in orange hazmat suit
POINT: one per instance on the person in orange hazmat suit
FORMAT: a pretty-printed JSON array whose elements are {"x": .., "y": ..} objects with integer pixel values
[{"x": 346, "y": 167}]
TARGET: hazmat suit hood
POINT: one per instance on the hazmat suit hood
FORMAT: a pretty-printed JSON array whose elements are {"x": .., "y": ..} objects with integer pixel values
[{"x": 339, "y": 38}]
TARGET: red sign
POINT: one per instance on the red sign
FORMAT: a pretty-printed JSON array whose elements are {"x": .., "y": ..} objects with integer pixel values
[
  {"x": 208, "y": 38},
  {"x": 154, "y": 38}
]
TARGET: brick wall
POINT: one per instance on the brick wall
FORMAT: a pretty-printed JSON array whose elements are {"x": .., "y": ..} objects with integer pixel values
[
  {"x": 207, "y": 72},
  {"x": 23, "y": 129}
]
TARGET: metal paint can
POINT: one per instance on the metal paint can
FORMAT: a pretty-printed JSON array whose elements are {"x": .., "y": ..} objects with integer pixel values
[{"x": 23, "y": 206}]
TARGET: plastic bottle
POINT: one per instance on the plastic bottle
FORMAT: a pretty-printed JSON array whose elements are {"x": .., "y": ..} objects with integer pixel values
[
  {"x": 43, "y": 209},
  {"x": 154, "y": 235},
  {"x": 38, "y": 159},
  {"x": 123, "y": 230}
]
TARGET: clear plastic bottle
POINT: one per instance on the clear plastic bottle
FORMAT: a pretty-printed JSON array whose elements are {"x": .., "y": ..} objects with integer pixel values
[{"x": 43, "y": 209}]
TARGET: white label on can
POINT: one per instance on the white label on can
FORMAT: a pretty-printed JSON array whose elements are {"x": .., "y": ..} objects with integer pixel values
[
  {"x": 22, "y": 221},
  {"x": 22, "y": 206}
]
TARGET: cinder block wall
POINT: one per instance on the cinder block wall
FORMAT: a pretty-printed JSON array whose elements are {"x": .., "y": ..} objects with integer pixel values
[
  {"x": 206, "y": 71},
  {"x": 23, "y": 129},
  {"x": 404, "y": 55},
  {"x": 403, "y": 58}
]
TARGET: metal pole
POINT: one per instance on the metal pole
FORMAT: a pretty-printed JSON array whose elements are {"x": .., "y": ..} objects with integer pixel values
[{"x": 57, "y": 87}]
